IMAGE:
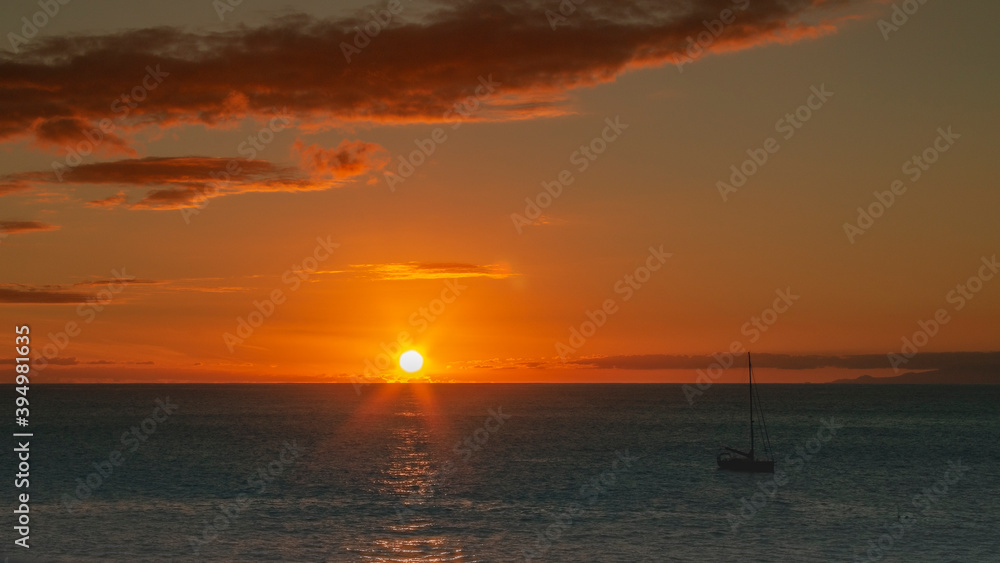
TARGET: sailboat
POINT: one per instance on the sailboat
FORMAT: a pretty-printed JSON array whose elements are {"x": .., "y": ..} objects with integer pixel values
[{"x": 735, "y": 460}]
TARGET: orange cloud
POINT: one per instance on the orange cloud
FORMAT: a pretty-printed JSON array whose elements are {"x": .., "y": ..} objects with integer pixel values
[
  {"x": 178, "y": 182},
  {"x": 108, "y": 202},
  {"x": 63, "y": 132},
  {"x": 76, "y": 293},
  {"x": 10, "y": 227},
  {"x": 349, "y": 158},
  {"x": 428, "y": 271},
  {"x": 24, "y": 294},
  {"x": 922, "y": 361},
  {"x": 431, "y": 67}
]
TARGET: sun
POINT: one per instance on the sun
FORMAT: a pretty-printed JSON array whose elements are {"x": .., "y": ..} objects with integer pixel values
[{"x": 411, "y": 361}]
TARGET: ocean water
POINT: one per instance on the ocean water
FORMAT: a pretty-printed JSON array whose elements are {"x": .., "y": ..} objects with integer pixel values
[{"x": 506, "y": 473}]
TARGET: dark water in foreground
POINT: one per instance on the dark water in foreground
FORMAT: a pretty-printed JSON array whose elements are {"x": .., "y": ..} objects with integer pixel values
[{"x": 426, "y": 473}]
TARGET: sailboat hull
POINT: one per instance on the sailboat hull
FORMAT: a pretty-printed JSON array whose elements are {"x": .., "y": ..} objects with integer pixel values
[{"x": 746, "y": 465}]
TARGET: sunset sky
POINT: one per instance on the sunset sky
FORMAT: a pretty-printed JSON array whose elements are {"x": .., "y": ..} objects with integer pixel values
[{"x": 247, "y": 165}]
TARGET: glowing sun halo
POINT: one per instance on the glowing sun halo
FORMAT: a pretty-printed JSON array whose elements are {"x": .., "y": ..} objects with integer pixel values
[{"x": 411, "y": 361}]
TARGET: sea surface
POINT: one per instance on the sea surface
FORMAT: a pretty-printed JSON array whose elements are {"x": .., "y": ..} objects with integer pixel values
[{"x": 475, "y": 473}]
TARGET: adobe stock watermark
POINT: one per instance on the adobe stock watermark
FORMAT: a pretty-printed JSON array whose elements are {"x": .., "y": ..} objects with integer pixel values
[
  {"x": 626, "y": 286},
  {"x": 592, "y": 491},
  {"x": 922, "y": 501},
  {"x": 753, "y": 329},
  {"x": 901, "y": 13},
  {"x": 959, "y": 298},
  {"x": 88, "y": 311},
  {"x": 293, "y": 278},
  {"x": 787, "y": 126},
  {"x": 121, "y": 106},
  {"x": 130, "y": 439},
  {"x": 420, "y": 320},
  {"x": 257, "y": 482},
  {"x": 30, "y": 28},
  {"x": 914, "y": 169},
  {"x": 223, "y": 7},
  {"x": 566, "y": 8},
  {"x": 769, "y": 487},
  {"x": 582, "y": 157},
  {"x": 247, "y": 149},
  {"x": 459, "y": 113},
  {"x": 696, "y": 46}
]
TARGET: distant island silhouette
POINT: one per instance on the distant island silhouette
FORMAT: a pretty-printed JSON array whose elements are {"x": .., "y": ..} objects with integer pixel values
[{"x": 933, "y": 377}]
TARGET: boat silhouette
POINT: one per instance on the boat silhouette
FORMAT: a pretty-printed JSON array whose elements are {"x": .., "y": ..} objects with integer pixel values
[{"x": 736, "y": 460}]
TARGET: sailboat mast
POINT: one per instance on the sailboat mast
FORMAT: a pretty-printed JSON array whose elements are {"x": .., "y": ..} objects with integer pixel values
[{"x": 750, "y": 369}]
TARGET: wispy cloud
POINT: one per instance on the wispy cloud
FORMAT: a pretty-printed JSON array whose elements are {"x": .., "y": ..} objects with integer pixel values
[
  {"x": 176, "y": 182},
  {"x": 12, "y": 227},
  {"x": 97, "y": 282},
  {"x": 56, "y": 87},
  {"x": 73, "y": 361},
  {"x": 109, "y": 202},
  {"x": 76, "y": 293},
  {"x": 349, "y": 158},
  {"x": 944, "y": 361},
  {"x": 427, "y": 271},
  {"x": 57, "y": 361},
  {"x": 25, "y": 295},
  {"x": 929, "y": 360}
]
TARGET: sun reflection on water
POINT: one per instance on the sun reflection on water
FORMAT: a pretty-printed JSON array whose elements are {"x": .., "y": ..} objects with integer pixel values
[{"x": 405, "y": 481}]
